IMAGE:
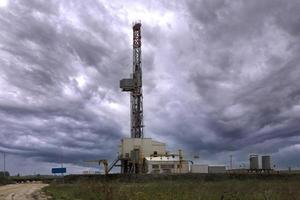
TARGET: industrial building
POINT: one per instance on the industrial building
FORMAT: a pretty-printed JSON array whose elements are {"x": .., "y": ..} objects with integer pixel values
[
  {"x": 166, "y": 164},
  {"x": 145, "y": 155},
  {"x": 146, "y": 147},
  {"x": 133, "y": 151}
]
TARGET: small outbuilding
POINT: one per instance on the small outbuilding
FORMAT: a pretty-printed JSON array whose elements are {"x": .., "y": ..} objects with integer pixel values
[
  {"x": 216, "y": 169},
  {"x": 201, "y": 169},
  {"x": 166, "y": 164}
]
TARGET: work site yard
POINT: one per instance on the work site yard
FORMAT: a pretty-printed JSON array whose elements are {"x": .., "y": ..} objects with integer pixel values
[{"x": 172, "y": 188}]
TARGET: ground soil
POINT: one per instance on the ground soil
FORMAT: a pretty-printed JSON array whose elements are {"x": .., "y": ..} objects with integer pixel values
[{"x": 23, "y": 191}]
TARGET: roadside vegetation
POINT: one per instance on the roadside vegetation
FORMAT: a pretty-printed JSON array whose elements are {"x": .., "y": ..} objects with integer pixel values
[
  {"x": 4, "y": 180},
  {"x": 178, "y": 189}
]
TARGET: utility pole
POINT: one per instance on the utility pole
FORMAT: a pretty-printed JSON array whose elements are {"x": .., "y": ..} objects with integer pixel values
[
  {"x": 4, "y": 167},
  {"x": 231, "y": 162}
]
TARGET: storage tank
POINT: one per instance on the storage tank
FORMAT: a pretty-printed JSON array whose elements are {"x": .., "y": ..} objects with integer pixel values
[
  {"x": 254, "y": 162},
  {"x": 266, "y": 162}
]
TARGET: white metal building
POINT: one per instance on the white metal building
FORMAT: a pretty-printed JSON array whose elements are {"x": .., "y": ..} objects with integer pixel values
[
  {"x": 205, "y": 169},
  {"x": 216, "y": 169},
  {"x": 166, "y": 164},
  {"x": 202, "y": 169}
]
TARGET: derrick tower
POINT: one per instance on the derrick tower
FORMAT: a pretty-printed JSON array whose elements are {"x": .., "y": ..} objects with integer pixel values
[{"x": 134, "y": 85}]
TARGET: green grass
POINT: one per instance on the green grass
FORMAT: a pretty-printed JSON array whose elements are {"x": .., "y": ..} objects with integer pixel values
[{"x": 178, "y": 189}]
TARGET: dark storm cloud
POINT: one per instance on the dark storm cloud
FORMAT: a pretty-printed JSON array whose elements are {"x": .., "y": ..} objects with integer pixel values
[
  {"x": 236, "y": 67},
  {"x": 53, "y": 74},
  {"x": 250, "y": 80}
]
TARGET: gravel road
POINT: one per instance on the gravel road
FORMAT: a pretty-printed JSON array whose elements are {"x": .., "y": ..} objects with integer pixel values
[{"x": 24, "y": 191}]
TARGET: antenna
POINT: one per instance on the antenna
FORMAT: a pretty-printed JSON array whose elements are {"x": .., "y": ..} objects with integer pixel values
[{"x": 4, "y": 164}]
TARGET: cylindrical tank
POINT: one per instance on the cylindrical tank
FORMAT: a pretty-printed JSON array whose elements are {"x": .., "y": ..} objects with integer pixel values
[
  {"x": 254, "y": 162},
  {"x": 266, "y": 162}
]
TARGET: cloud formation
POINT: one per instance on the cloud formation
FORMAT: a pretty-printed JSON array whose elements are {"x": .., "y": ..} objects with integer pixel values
[{"x": 220, "y": 77}]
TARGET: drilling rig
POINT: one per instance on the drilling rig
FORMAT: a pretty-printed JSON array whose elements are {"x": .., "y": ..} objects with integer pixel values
[
  {"x": 133, "y": 163},
  {"x": 137, "y": 154},
  {"x": 134, "y": 85}
]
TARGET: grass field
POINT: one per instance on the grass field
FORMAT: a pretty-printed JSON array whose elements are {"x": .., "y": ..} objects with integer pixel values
[{"x": 252, "y": 189}]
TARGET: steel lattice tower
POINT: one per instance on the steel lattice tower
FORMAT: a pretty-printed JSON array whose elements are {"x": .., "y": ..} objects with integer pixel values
[{"x": 134, "y": 85}]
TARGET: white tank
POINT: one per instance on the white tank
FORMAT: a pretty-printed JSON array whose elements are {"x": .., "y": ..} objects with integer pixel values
[{"x": 254, "y": 162}]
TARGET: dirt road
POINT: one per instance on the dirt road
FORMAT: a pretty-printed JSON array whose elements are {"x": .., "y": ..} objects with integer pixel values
[{"x": 25, "y": 191}]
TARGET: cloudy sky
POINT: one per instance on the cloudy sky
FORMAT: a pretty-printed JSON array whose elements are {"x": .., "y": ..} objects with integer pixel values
[{"x": 221, "y": 77}]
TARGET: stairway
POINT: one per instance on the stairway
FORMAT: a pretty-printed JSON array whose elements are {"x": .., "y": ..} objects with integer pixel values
[{"x": 113, "y": 164}]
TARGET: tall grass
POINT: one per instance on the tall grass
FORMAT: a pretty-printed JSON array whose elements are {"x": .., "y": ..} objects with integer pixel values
[{"x": 175, "y": 189}]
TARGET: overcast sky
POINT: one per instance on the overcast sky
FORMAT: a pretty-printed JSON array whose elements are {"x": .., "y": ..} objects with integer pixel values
[{"x": 221, "y": 77}]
